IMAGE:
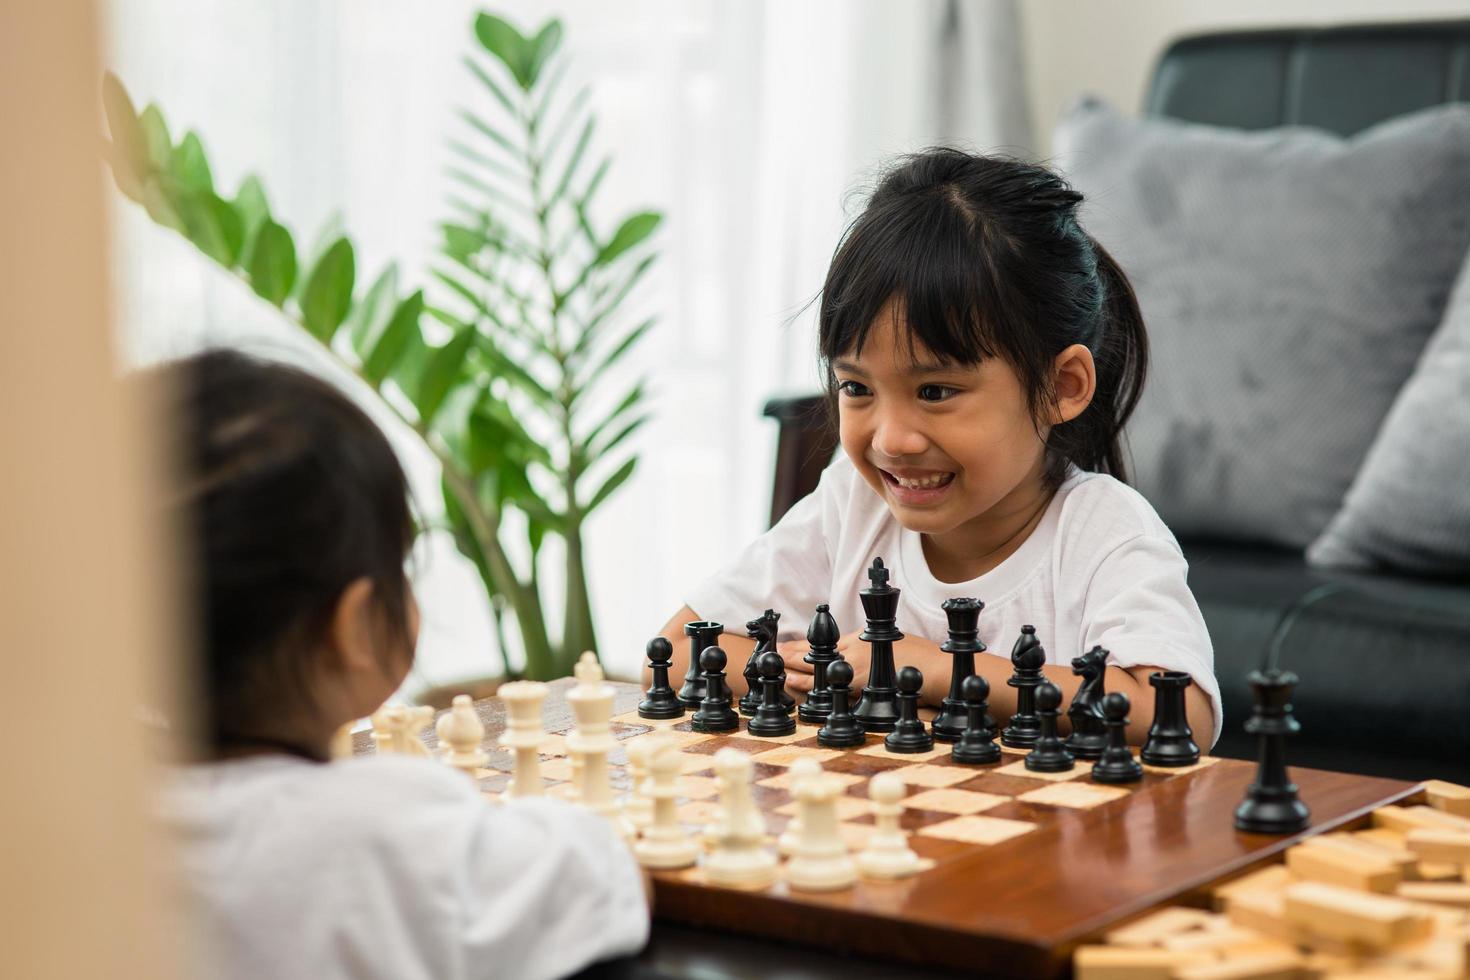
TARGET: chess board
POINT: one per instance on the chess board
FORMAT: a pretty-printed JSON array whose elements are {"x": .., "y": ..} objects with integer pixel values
[{"x": 1027, "y": 866}]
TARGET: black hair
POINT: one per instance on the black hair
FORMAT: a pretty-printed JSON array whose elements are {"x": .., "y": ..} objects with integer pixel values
[
  {"x": 987, "y": 259},
  {"x": 290, "y": 493}
]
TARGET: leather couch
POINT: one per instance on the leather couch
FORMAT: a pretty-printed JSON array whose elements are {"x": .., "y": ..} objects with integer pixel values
[{"x": 1383, "y": 659}]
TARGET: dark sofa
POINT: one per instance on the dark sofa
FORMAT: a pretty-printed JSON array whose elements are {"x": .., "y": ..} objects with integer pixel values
[{"x": 1384, "y": 659}]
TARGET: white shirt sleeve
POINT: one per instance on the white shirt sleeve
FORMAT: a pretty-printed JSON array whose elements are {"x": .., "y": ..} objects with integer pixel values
[
  {"x": 1138, "y": 606},
  {"x": 788, "y": 568},
  {"x": 548, "y": 890}
]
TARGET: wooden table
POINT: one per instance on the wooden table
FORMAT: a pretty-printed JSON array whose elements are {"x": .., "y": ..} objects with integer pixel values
[{"x": 1019, "y": 907}]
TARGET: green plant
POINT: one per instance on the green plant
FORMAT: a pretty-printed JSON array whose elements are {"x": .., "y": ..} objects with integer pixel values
[{"x": 508, "y": 399}]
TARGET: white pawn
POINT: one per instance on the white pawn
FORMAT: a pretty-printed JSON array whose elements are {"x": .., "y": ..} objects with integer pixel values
[
  {"x": 638, "y": 806},
  {"x": 740, "y": 858},
  {"x": 803, "y": 768},
  {"x": 592, "y": 740},
  {"x": 664, "y": 843},
  {"x": 888, "y": 854},
  {"x": 821, "y": 862},
  {"x": 523, "y": 733},
  {"x": 461, "y": 731}
]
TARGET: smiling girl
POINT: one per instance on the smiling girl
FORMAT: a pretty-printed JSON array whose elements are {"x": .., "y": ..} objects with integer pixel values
[{"x": 984, "y": 353}]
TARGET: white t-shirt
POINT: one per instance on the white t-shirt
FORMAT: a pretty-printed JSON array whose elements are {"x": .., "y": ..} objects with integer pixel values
[
  {"x": 1100, "y": 569},
  {"x": 394, "y": 868}
]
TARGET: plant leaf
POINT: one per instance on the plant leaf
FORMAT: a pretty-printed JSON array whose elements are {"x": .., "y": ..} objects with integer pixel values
[
  {"x": 251, "y": 205},
  {"x": 401, "y": 328},
  {"x": 541, "y": 48},
  {"x": 507, "y": 44},
  {"x": 493, "y": 135},
  {"x": 573, "y": 161},
  {"x": 632, "y": 231},
  {"x": 371, "y": 314},
  {"x": 273, "y": 263},
  {"x": 633, "y": 397},
  {"x": 612, "y": 483},
  {"x": 122, "y": 123},
  {"x": 155, "y": 137},
  {"x": 328, "y": 293},
  {"x": 190, "y": 165},
  {"x": 211, "y": 223},
  {"x": 621, "y": 348},
  {"x": 160, "y": 207},
  {"x": 490, "y": 84},
  {"x": 441, "y": 372},
  {"x": 597, "y": 452},
  {"x": 409, "y": 368}
]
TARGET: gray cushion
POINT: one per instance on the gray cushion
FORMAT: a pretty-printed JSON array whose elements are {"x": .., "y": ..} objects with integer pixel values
[
  {"x": 1289, "y": 279},
  {"x": 1409, "y": 506}
]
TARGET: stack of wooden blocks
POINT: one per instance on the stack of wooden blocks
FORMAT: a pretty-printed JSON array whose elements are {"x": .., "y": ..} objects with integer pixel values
[{"x": 1392, "y": 900}]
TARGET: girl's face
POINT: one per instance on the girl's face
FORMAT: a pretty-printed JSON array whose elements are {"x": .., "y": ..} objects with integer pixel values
[{"x": 946, "y": 446}]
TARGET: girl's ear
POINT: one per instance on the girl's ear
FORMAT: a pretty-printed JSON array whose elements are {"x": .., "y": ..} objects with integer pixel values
[
  {"x": 352, "y": 636},
  {"x": 1074, "y": 380}
]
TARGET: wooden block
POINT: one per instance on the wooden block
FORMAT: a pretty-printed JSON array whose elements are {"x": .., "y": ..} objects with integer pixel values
[
  {"x": 1448, "y": 797},
  {"x": 1279, "y": 965},
  {"x": 1227, "y": 941},
  {"x": 1328, "y": 862},
  {"x": 1079, "y": 796},
  {"x": 1398, "y": 855},
  {"x": 1132, "y": 962},
  {"x": 1265, "y": 913},
  {"x": 1273, "y": 878},
  {"x": 1440, "y": 846},
  {"x": 1455, "y": 893},
  {"x": 1347, "y": 914},
  {"x": 1444, "y": 956},
  {"x": 1430, "y": 871},
  {"x": 1381, "y": 835},
  {"x": 1155, "y": 927},
  {"x": 1407, "y": 818}
]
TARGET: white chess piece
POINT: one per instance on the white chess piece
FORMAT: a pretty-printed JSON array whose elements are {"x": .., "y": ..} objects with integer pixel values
[
  {"x": 592, "y": 740},
  {"x": 888, "y": 854},
  {"x": 396, "y": 728},
  {"x": 341, "y": 747},
  {"x": 740, "y": 857},
  {"x": 664, "y": 843},
  {"x": 386, "y": 722},
  {"x": 523, "y": 733},
  {"x": 821, "y": 862},
  {"x": 638, "y": 806},
  {"x": 800, "y": 769},
  {"x": 461, "y": 731}
]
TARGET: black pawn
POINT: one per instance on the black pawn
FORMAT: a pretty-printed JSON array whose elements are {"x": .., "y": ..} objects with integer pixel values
[
  {"x": 977, "y": 742},
  {"x": 1050, "y": 753},
  {"x": 1027, "y": 659},
  {"x": 1170, "y": 741},
  {"x": 962, "y": 645},
  {"x": 822, "y": 636},
  {"x": 702, "y": 634},
  {"x": 661, "y": 700},
  {"x": 1116, "y": 765},
  {"x": 1271, "y": 804},
  {"x": 771, "y": 718},
  {"x": 841, "y": 730},
  {"x": 909, "y": 732},
  {"x": 714, "y": 713}
]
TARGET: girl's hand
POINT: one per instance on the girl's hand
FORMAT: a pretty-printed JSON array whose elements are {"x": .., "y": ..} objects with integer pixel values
[{"x": 799, "y": 673}]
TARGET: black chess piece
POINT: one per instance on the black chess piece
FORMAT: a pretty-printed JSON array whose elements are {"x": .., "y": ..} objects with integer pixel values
[
  {"x": 822, "y": 635},
  {"x": 977, "y": 742},
  {"x": 661, "y": 701},
  {"x": 841, "y": 730},
  {"x": 1050, "y": 753},
  {"x": 763, "y": 630},
  {"x": 1116, "y": 764},
  {"x": 1271, "y": 804},
  {"x": 1089, "y": 732},
  {"x": 963, "y": 643},
  {"x": 909, "y": 732},
  {"x": 1170, "y": 741},
  {"x": 877, "y": 709},
  {"x": 714, "y": 713},
  {"x": 771, "y": 718},
  {"x": 702, "y": 635},
  {"x": 1027, "y": 659}
]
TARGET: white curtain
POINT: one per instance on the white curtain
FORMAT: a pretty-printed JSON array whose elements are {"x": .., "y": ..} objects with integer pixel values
[{"x": 753, "y": 124}]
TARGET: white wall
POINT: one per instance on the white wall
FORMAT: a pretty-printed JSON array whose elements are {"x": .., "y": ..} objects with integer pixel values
[{"x": 1109, "y": 47}]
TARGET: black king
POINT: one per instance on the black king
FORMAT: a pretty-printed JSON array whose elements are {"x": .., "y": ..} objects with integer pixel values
[{"x": 877, "y": 709}]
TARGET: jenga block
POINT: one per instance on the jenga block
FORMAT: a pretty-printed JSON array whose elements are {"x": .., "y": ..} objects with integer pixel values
[
  {"x": 1440, "y": 846},
  {"x": 1343, "y": 913},
  {"x": 1272, "y": 878},
  {"x": 1328, "y": 862},
  {"x": 1455, "y": 893},
  {"x": 1432, "y": 871},
  {"x": 1280, "y": 965},
  {"x": 1132, "y": 962},
  {"x": 1396, "y": 853},
  {"x": 1448, "y": 797},
  {"x": 1407, "y": 818},
  {"x": 1265, "y": 912},
  {"x": 1444, "y": 956},
  {"x": 1155, "y": 927},
  {"x": 1227, "y": 940}
]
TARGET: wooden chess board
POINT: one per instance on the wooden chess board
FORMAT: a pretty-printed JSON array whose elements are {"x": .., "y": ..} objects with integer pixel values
[{"x": 1027, "y": 865}]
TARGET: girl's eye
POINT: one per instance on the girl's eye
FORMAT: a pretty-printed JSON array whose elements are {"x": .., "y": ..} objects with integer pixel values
[
  {"x": 852, "y": 389},
  {"x": 936, "y": 393}
]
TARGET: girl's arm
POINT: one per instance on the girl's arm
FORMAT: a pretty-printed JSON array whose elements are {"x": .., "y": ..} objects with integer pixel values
[
  {"x": 935, "y": 666},
  {"x": 737, "y": 649}
]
